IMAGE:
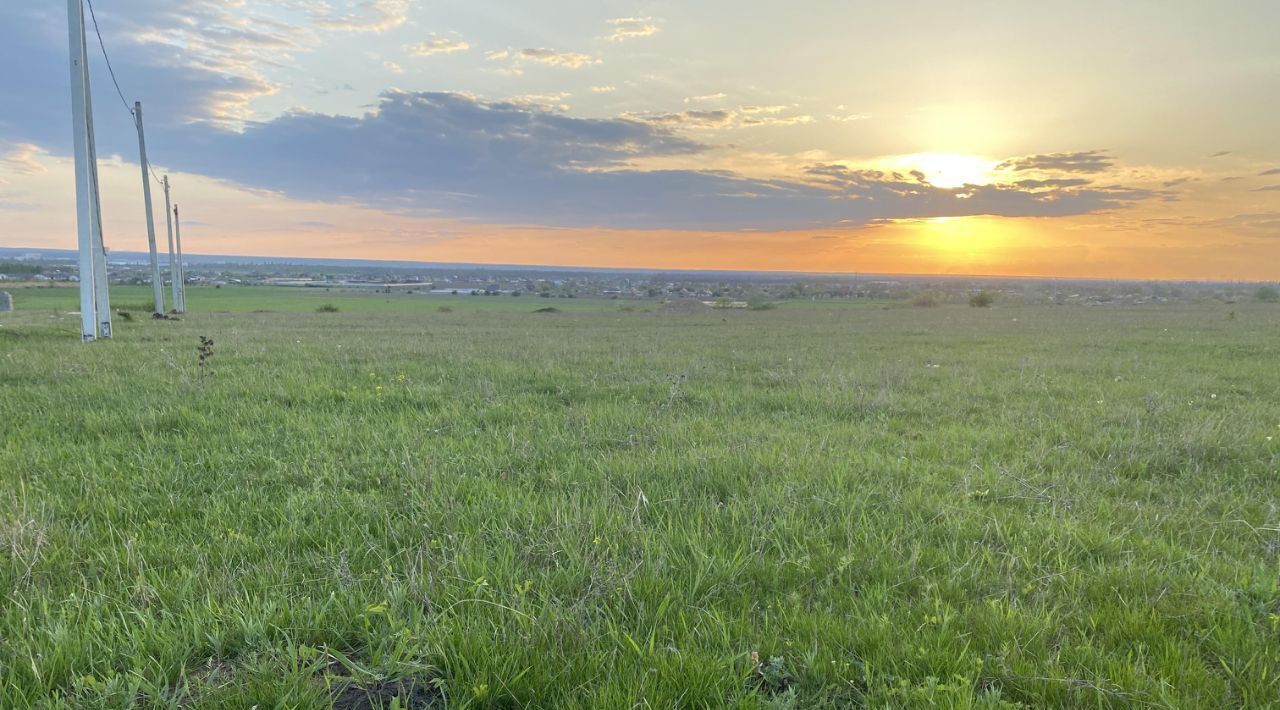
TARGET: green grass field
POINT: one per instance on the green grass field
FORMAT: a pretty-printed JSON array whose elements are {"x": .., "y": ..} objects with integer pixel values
[{"x": 629, "y": 505}]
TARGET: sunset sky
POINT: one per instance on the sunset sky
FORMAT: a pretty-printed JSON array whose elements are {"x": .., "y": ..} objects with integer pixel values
[{"x": 1088, "y": 138}]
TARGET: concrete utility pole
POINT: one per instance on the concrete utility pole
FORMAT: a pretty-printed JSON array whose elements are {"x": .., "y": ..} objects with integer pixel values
[
  {"x": 157, "y": 281},
  {"x": 173, "y": 256},
  {"x": 95, "y": 306},
  {"x": 100, "y": 295},
  {"x": 181, "y": 306}
]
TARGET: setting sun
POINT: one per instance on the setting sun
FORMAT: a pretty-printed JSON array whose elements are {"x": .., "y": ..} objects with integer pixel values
[{"x": 948, "y": 170}]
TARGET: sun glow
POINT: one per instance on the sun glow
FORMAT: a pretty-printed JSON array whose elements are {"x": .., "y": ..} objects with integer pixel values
[
  {"x": 947, "y": 170},
  {"x": 968, "y": 244}
]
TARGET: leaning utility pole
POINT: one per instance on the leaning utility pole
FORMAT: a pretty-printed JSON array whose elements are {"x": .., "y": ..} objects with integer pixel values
[
  {"x": 157, "y": 282},
  {"x": 181, "y": 305},
  {"x": 173, "y": 257},
  {"x": 95, "y": 306}
]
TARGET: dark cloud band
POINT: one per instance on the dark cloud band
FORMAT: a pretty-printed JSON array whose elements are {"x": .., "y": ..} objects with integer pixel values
[{"x": 453, "y": 154}]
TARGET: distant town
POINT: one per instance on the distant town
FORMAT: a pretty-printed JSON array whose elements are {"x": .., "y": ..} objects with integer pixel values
[{"x": 45, "y": 267}]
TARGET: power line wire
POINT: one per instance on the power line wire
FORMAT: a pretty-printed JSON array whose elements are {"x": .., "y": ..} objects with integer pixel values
[
  {"x": 119, "y": 92},
  {"x": 110, "y": 70}
]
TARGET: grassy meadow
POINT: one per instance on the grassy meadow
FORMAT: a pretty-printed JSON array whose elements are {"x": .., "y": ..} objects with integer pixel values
[{"x": 427, "y": 502}]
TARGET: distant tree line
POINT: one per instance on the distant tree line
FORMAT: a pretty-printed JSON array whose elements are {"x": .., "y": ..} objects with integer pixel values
[{"x": 19, "y": 267}]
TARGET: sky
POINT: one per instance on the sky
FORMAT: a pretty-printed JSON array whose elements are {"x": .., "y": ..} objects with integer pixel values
[{"x": 1081, "y": 139}]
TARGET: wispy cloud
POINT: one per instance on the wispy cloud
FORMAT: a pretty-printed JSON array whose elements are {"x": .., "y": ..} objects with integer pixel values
[
  {"x": 1265, "y": 222},
  {"x": 1088, "y": 161},
  {"x": 439, "y": 45},
  {"x": 625, "y": 28},
  {"x": 216, "y": 58},
  {"x": 745, "y": 117},
  {"x": 603, "y": 89},
  {"x": 22, "y": 159},
  {"x": 687, "y": 119},
  {"x": 1027, "y": 198},
  {"x": 1044, "y": 184},
  {"x": 771, "y": 120},
  {"x": 368, "y": 16},
  {"x": 549, "y": 57},
  {"x": 220, "y": 54},
  {"x": 755, "y": 116},
  {"x": 706, "y": 97},
  {"x": 542, "y": 102},
  {"x": 1273, "y": 171}
]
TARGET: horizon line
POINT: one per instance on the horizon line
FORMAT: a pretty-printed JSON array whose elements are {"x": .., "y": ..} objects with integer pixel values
[{"x": 395, "y": 263}]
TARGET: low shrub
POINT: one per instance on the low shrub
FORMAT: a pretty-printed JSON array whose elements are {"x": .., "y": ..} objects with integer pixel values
[{"x": 981, "y": 299}]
